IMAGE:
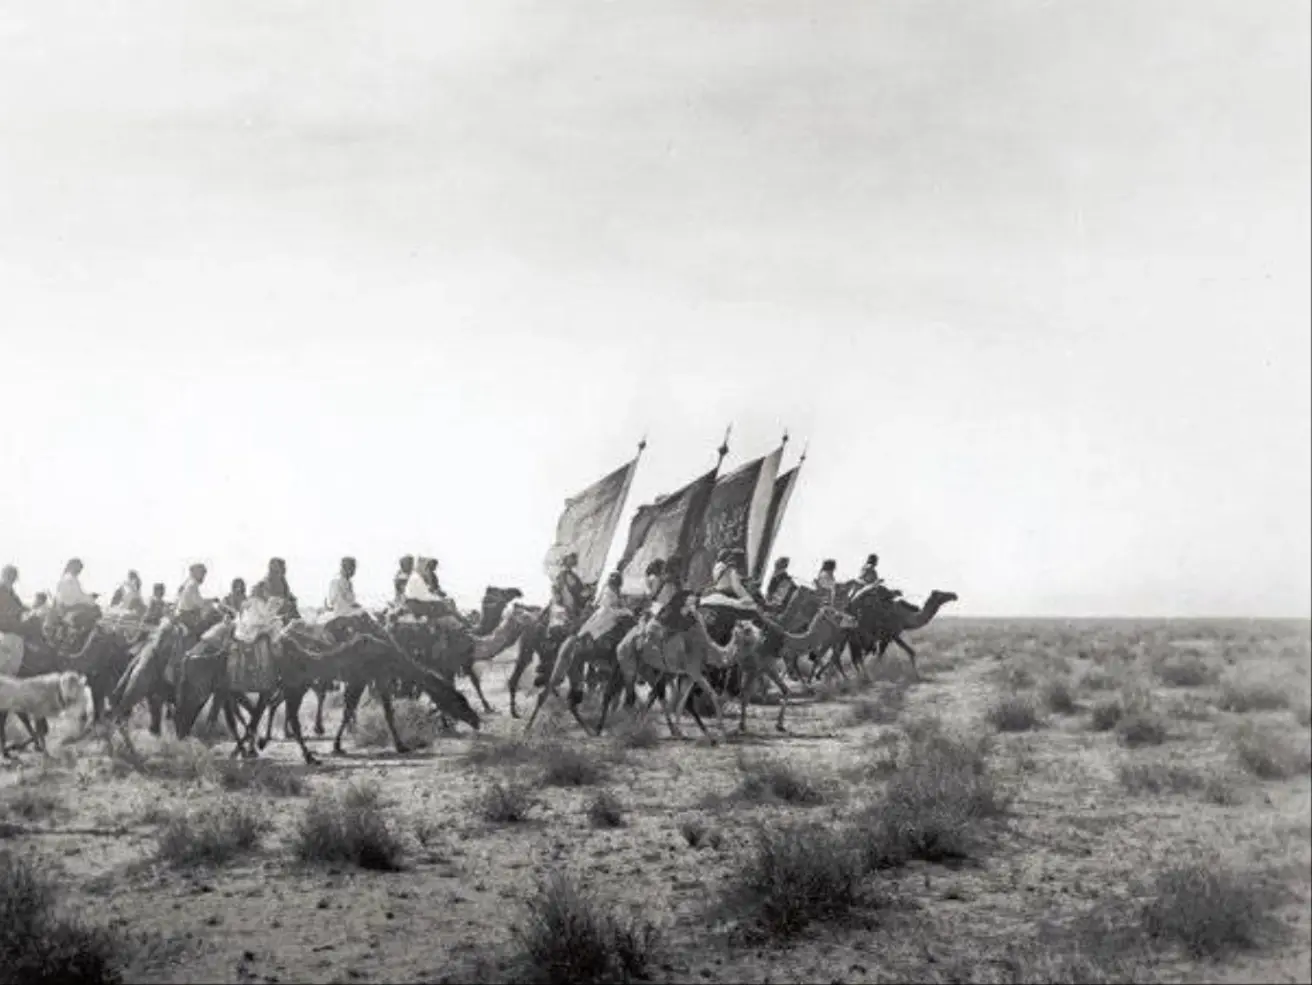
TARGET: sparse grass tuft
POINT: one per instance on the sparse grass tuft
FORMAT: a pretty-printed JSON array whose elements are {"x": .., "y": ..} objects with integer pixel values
[
  {"x": 934, "y": 803},
  {"x": 1209, "y": 909},
  {"x": 1014, "y": 713},
  {"x": 606, "y": 811},
  {"x": 26, "y": 802},
  {"x": 416, "y": 723},
  {"x": 492, "y": 752},
  {"x": 881, "y": 709},
  {"x": 44, "y": 946},
  {"x": 567, "y": 765},
  {"x": 1242, "y": 696},
  {"x": 1165, "y": 777},
  {"x": 1059, "y": 695},
  {"x": 1189, "y": 670},
  {"x": 260, "y": 776},
  {"x": 639, "y": 734},
  {"x": 212, "y": 835},
  {"x": 570, "y": 936},
  {"x": 1142, "y": 727},
  {"x": 1106, "y": 714},
  {"x": 505, "y": 803},
  {"x": 800, "y": 874},
  {"x": 1098, "y": 679},
  {"x": 769, "y": 778},
  {"x": 1269, "y": 755},
  {"x": 693, "y": 828},
  {"x": 349, "y": 828}
]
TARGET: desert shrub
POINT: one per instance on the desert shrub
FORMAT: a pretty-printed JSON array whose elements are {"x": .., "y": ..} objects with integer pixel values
[
  {"x": 261, "y": 776},
  {"x": 1268, "y": 755},
  {"x": 1106, "y": 714},
  {"x": 570, "y": 936},
  {"x": 491, "y": 752},
  {"x": 42, "y": 946},
  {"x": 640, "y": 733},
  {"x": 1242, "y": 696},
  {"x": 1014, "y": 713},
  {"x": 606, "y": 811},
  {"x": 881, "y": 709},
  {"x": 350, "y": 828},
  {"x": 416, "y": 723},
  {"x": 213, "y": 835},
  {"x": 799, "y": 874},
  {"x": 1098, "y": 679},
  {"x": 1059, "y": 695},
  {"x": 505, "y": 803},
  {"x": 933, "y": 804},
  {"x": 693, "y": 828},
  {"x": 1188, "y": 670},
  {"x": 1303, "y": 715},
  {"x": 565, "y": 764},
  {"x": 1209, "y": 909},
  {"x": 1141, "y": 727},
  {"x": 769, "y": 778},
  {"x": 27, "y": 802}
]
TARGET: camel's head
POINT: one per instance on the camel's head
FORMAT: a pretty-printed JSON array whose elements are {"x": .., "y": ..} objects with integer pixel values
[
  {"x": 745, "y": 636},
  {"x": 937, "y": 598}
]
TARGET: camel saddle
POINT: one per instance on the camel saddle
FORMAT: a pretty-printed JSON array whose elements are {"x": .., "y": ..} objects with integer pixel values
[{"x": 251, "y": 666}]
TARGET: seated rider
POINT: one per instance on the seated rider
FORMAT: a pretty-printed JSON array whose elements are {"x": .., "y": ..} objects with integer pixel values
[
  {"x": 278, "y": 592},
  {"x": 567, "y": 595},
  {"x": 75, "y": 607},
  {"x": 40, "y": 606},
  {"x": 726, "y": 578},
  {"x": 404, "y": 568},
  {"x": 780, "y": 589},
  {"x": 156, "y": 608},
  {"x": 13, "y": 614},
  {"x": 610, "y": 605},
  {"x": 423, "y": 595},
  {"x": 671, "y": 604},
  {"x": 127, "y": 597},
  {"x": 826, "y": 583},
  {"x": 871, "y": 582},
  {"x": 190, "y": 609},
  {"x": 235, "y": 600},
  {"x": 340, "y": 608}
]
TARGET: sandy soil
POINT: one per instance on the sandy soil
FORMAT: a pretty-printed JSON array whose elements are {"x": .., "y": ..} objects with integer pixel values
[{"x": 1078, "y": 840}]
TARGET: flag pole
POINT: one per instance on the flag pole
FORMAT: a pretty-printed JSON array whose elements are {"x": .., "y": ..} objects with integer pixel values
[{"x": 724, "y": 447}]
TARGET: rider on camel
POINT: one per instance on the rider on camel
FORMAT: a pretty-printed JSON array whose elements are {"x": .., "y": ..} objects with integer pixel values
[
  {"x": 156, "y": 608},
  {"x": 341, "y": 609},
  {"x": 76, "y": 608},
  {"x": 235, "y": 600},
  {"x": 567, "y": 595},
  {"x": 826, "y": 583},
  {"x": 871, "y": 582},
  {"x": 404, "y": 569},
  {"x": 190, "y": 608},
  {"x": 780, "y": 589},
  {"x": 12, "y": 610},
  {"x": 278, "y": 592}
]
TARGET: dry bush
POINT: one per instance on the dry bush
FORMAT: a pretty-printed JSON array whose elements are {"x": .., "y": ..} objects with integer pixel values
[
  {"x": 606, "y": 811},
  {"x": 1269, "y": 755},
  {"x": 183, "y": 760},
  {"x": 693, "y": 828},
  {"x": 1242, "y": 696},
  {"x": 1185, "y": 670},
  {"x": 934, "y": 803},
  {"x": 1141, "y": 727},
  {"x": 1098, "y": 679},
  {"x": 1106, "y": 714},
  {"x": 349, "y": 828},
  {"x": 26, "y": 801},
  {"x": 1164, "y": 777},
  {"x": 505, "y": 803},
  {"x": 39, "y": 945},
  {"x": 416, "y": 723},
  {"x": 259, "y": 776},
  {"x": 212, "y": 835},
  {"x": 487, "y": 751},
  {"x": 1208, "y": 909},
  {"x": 800, "y": 874},
  {"x": 570, "y": 936},
  {"x": 881, "y": 709},
  {"x": 1059, "y": 695},
  {"x": 564, "y": 764},
  {"x": 772, "y": 779},
  {"x": 639, "y": 733},
  {"x": 1014, "y": 713}
]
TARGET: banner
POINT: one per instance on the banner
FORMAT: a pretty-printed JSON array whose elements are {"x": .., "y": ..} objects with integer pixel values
[
  {"x": 735, "y": 517},
  {"x": 664, "y": 528},
  {"x": 783, "y": 491},
  {"x": 587, "y": 525}
]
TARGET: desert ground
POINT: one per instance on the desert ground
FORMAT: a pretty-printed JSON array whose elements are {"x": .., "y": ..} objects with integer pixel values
[{"x": 1051, "y": 801}]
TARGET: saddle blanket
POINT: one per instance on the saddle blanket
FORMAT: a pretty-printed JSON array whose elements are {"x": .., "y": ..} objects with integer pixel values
[{"x": 251, "y": 666}]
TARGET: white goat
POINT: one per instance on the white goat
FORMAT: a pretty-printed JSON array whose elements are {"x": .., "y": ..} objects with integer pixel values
[{"x": 43, "y": 697}]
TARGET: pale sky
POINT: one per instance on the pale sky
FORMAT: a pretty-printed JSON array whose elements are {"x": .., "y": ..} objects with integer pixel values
[{"x": 324, "y": 278}]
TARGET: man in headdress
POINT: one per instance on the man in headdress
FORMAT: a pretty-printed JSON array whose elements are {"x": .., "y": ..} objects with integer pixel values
[
  {"x": 780, "y": 588},
  {"x": 77, "y": 609},
  {"x": 826, "y": 582},
  {"x": 191, "y": 607},
  {"x": 278, "y": 592},
  {"x": 568, "y": 595},
  {"x": 235, "y": 600},
  {"x": 341, "y": 610},
  {"x": 156, "y": 608},
  {"x": 403, "y": 571},
  {"x": 12, "y": 610},
  {"x": 127, "y": 597}
]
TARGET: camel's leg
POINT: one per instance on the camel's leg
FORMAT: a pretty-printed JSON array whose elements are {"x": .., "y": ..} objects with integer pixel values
[
  {"x": 779, "y": 682},
  {"x": 246, "y": 745},
  {"x": 155, "y": 703},
  {"x": 680, "y": 696},
  {"x": 543, "y": 696},
  {"x": 697, "y": 678},
  {"x": 744, "y": 699},
  {"x": 350, "y": 702},
  {"x": 320, "y": 692},
  {"x": 478, "y": 689},
  {"x": 522, "y": 661},
  {"x": 911, "y": 655},
  {"x": 292, "y": 698},
  {"x": 271, "y": 708},
  {"x": 230, "y": 716},
  {"x": 217, "y": 705},
  {"x": 385, "y": 699}
]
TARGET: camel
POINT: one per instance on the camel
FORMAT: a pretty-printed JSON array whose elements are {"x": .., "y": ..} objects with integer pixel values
[
  {"x": 679, "y": 656},
  {"x": 444, "y": 663},
  {"x": 882, "y": 620},
  {"x": 579, "y": 653},
  {"x": 361, "y": 660},
  {"x": 761, "y": 652}
]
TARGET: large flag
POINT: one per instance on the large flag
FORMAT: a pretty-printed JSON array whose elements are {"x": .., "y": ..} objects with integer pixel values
[
  {"x": 587, "y": 526},
  {"x": 735, "y": 517},
  {"x": 663, "y": 529},
  {"x": 783, "y": 491}
]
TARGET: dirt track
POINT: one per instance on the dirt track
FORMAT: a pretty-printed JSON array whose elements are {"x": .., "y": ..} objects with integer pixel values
[{"x": 1078, "y": 840}]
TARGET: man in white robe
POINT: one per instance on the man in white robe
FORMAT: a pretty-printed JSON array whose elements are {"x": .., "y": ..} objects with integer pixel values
[{"x": 75, "y": 607}]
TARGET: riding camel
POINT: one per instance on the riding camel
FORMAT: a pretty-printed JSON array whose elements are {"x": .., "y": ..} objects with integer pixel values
[
  {"x": 289, "y": 665},
  {"x": 882, "y": 620},
  {"x": 763, "y": 653},
  {"x": 680, "y": 657},
  {"x": 580, "y": 653}
]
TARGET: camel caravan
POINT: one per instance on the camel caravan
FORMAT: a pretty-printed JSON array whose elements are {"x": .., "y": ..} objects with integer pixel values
[{"x": 694, "y": 613}]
